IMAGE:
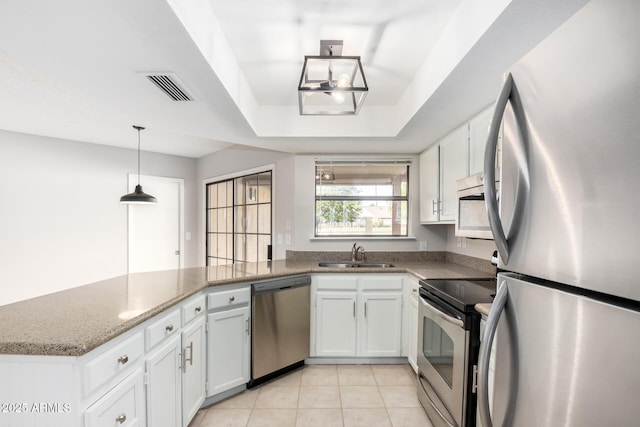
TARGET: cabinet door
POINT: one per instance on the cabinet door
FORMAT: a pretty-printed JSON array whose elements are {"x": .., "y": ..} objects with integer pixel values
[
  {"x": 335, "y": 324},
  {"x": 229, "y": 346},
  {"x": 412, "y": 352},
  {"x": 429, "y": 185},
  {"x": 163, "y": 385},
  {"x": 478, "y": 134},
  {"x": 121, "y": 406},
  {"x": 381, "y": 331},
  {"x": 193, "y": 368},
  {"x": 454, "y": 155}
]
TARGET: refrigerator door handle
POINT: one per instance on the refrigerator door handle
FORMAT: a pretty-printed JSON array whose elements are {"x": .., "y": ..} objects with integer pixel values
[
  {"x": 490, "y": 193},
  {"x": 497, "y": 308}
]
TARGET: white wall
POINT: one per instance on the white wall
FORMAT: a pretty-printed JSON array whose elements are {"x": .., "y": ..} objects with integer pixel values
[
  {"x": 477, "y": 248},
  {"x": 61, "y": 223},
  {"x": 294, "y": 203}
]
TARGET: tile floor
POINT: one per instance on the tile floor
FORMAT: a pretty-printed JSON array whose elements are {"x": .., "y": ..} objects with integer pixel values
[{"x": 327, "y": 396}]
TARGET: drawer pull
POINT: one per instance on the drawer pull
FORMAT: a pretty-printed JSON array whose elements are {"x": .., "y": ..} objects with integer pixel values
[
  {"x": 121, "y": 418},
  {"x": 169, "y": 328},
  {"x": 232, "y": 299},
  {"x": 123, "y": 359},
  {"x": 198, "y": 309}
]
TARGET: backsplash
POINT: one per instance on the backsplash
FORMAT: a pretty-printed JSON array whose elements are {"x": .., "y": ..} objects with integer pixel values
[{"x": 393, "y": 256}]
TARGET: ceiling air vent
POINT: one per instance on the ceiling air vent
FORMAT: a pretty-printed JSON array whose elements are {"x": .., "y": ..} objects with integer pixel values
[{"x": 170, "y": 85}]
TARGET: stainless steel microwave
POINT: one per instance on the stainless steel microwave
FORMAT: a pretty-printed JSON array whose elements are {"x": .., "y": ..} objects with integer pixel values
[{"x": 472, "y": 219}]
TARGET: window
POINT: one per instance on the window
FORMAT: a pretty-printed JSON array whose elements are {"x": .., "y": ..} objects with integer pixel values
[
  {"x": 239, "y": 219},
  {"x": 362, "y": 198}
]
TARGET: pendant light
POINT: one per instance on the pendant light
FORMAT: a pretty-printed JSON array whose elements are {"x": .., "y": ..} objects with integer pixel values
[{"x": 138, "y": 196}]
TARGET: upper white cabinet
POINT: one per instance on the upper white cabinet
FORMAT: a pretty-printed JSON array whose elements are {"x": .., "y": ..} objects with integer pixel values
[
  {"x": 430, "y": 184},
  {"x": 440, "y": 167},
  {"x": 454, "y": 152},
  {"x": 478, "y": 134},
  {"x": 456, "y": 156}
]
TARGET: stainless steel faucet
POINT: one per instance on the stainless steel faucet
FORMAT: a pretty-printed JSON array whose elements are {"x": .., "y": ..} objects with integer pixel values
[{"x": 355, "y": 251}]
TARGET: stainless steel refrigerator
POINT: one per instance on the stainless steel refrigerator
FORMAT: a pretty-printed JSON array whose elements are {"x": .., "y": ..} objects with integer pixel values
[{"x": 567, "y": 227}]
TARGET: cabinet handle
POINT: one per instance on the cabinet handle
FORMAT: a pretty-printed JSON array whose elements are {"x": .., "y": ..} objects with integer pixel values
[
  {"x": 169, "y": 328},
  {"x": 247, "y": 326},
  {"x": 433, "y": 206},
  {"x": 190, "y": 358},
  {"x": 232, "y": 299},
  {"x": 354, "y": 309},
  {"x": 365, "y": 309},
  {"x": 123, "y": 359},
  {"x": 121, "y": 418},
  {"x": 183, "y": 362},
  {"x": 198, "y": 309}
]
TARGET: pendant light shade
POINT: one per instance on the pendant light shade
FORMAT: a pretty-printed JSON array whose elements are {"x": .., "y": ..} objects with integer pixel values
[{"x": 138, "y": 196}]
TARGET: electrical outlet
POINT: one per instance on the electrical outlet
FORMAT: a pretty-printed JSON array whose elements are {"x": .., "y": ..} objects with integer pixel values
[
  {"x": 459, "y": 242},
  {"x": 464, "y": 242},
  {"x": 423, "y": 245}
]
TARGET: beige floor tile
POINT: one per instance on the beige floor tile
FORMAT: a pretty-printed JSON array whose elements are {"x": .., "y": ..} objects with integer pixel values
[
  {"x": 365, "y": 418},
  {"x": 319, "y": 396},
  {"x": 278, "y": 397},
  {"x": 319, "y": 375},
  {"x": 319, "y": 418},
  {"x": 409, "y": 417},
  {"x": 361, "y": 397},
  {"x": 290, "y": 379},
  {"x": 272, "y": 418},
  {"x": 244, "y": 400},
  {"x": 391, "y": 375},
  {"x": 398, "y": 396},
  {"x": 356, "y": 375},
  {"x": 216, "y": 417},
  {"x": 195, "y": 422}
]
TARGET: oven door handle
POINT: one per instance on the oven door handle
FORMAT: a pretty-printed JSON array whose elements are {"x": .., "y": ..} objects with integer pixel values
[
  {"x": 485, "y": 352},
  {"x": 439, "y": 313},
  {"x": 431, "y": 402}
]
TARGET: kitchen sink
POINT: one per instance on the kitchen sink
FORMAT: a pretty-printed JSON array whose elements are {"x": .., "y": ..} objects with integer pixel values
[{"x": 355, "y": 265}]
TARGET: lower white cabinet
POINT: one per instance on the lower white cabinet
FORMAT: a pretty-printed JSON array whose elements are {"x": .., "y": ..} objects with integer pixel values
[
  {"x": 335, "y": 323},
  {"x": 164, "y": 384},
  {"x": 412, "y": 322},
  {"x": 229, "y": 343},
  {"x": 193, "y": 363},
  {"x": 122, "y": 406},
  {"x": 176, "y": 375},
  {"x": 357, "y": 315}
]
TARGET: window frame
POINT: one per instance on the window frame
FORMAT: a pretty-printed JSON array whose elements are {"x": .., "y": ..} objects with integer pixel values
[
  {"x": 233, "y": 177},
  {"x": 406, "y": 198}
]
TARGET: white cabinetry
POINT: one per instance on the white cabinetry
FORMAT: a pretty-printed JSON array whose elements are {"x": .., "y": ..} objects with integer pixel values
[
  {"x": 430, "y": 184},
  {"x": 122, "y": 406},
  {"x": 440, "y": 167},
  {"x": 175, "y": 367},
  {"x": 163, "y": 384},
  {"x": 194, "y": 356},
  {"x": 228, "y": 354},
  {"x": 412, "y": 322},
  {"x": 356, "y": 315},
  {"x": 478, "y": 134}
]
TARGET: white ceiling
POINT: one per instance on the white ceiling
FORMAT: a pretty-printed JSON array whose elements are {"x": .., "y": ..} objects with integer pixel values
[{"x": 75, "y": 70}]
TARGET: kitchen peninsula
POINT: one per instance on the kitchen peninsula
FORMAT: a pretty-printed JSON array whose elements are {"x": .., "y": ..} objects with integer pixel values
[{"x": 90, "y": 350}]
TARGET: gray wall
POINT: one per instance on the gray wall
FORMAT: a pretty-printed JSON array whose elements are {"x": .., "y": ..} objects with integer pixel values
[{"x": 61, "y": 223}]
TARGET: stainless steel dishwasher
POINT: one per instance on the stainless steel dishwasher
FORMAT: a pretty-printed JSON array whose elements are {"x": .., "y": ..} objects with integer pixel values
[{"x": 280, "y": 324}]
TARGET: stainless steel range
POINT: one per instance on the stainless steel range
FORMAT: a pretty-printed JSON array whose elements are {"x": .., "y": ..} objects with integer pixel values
[{"x": 448, "y": 342}]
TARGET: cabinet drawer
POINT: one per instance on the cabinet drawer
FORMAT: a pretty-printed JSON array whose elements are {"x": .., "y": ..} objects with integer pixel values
[
  {"x": 111, "y": 362},
  {"x": 165, "y": 326},
  {"x": 193, "y": 308},
  {"x": 342, "y": 282},
  {"x": 123, "y": 406},
  {"x": 229, "y": 298}
]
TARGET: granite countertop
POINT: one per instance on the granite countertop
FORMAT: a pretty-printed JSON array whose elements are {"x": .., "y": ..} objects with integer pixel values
[{"x": 76, "y": 321}]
